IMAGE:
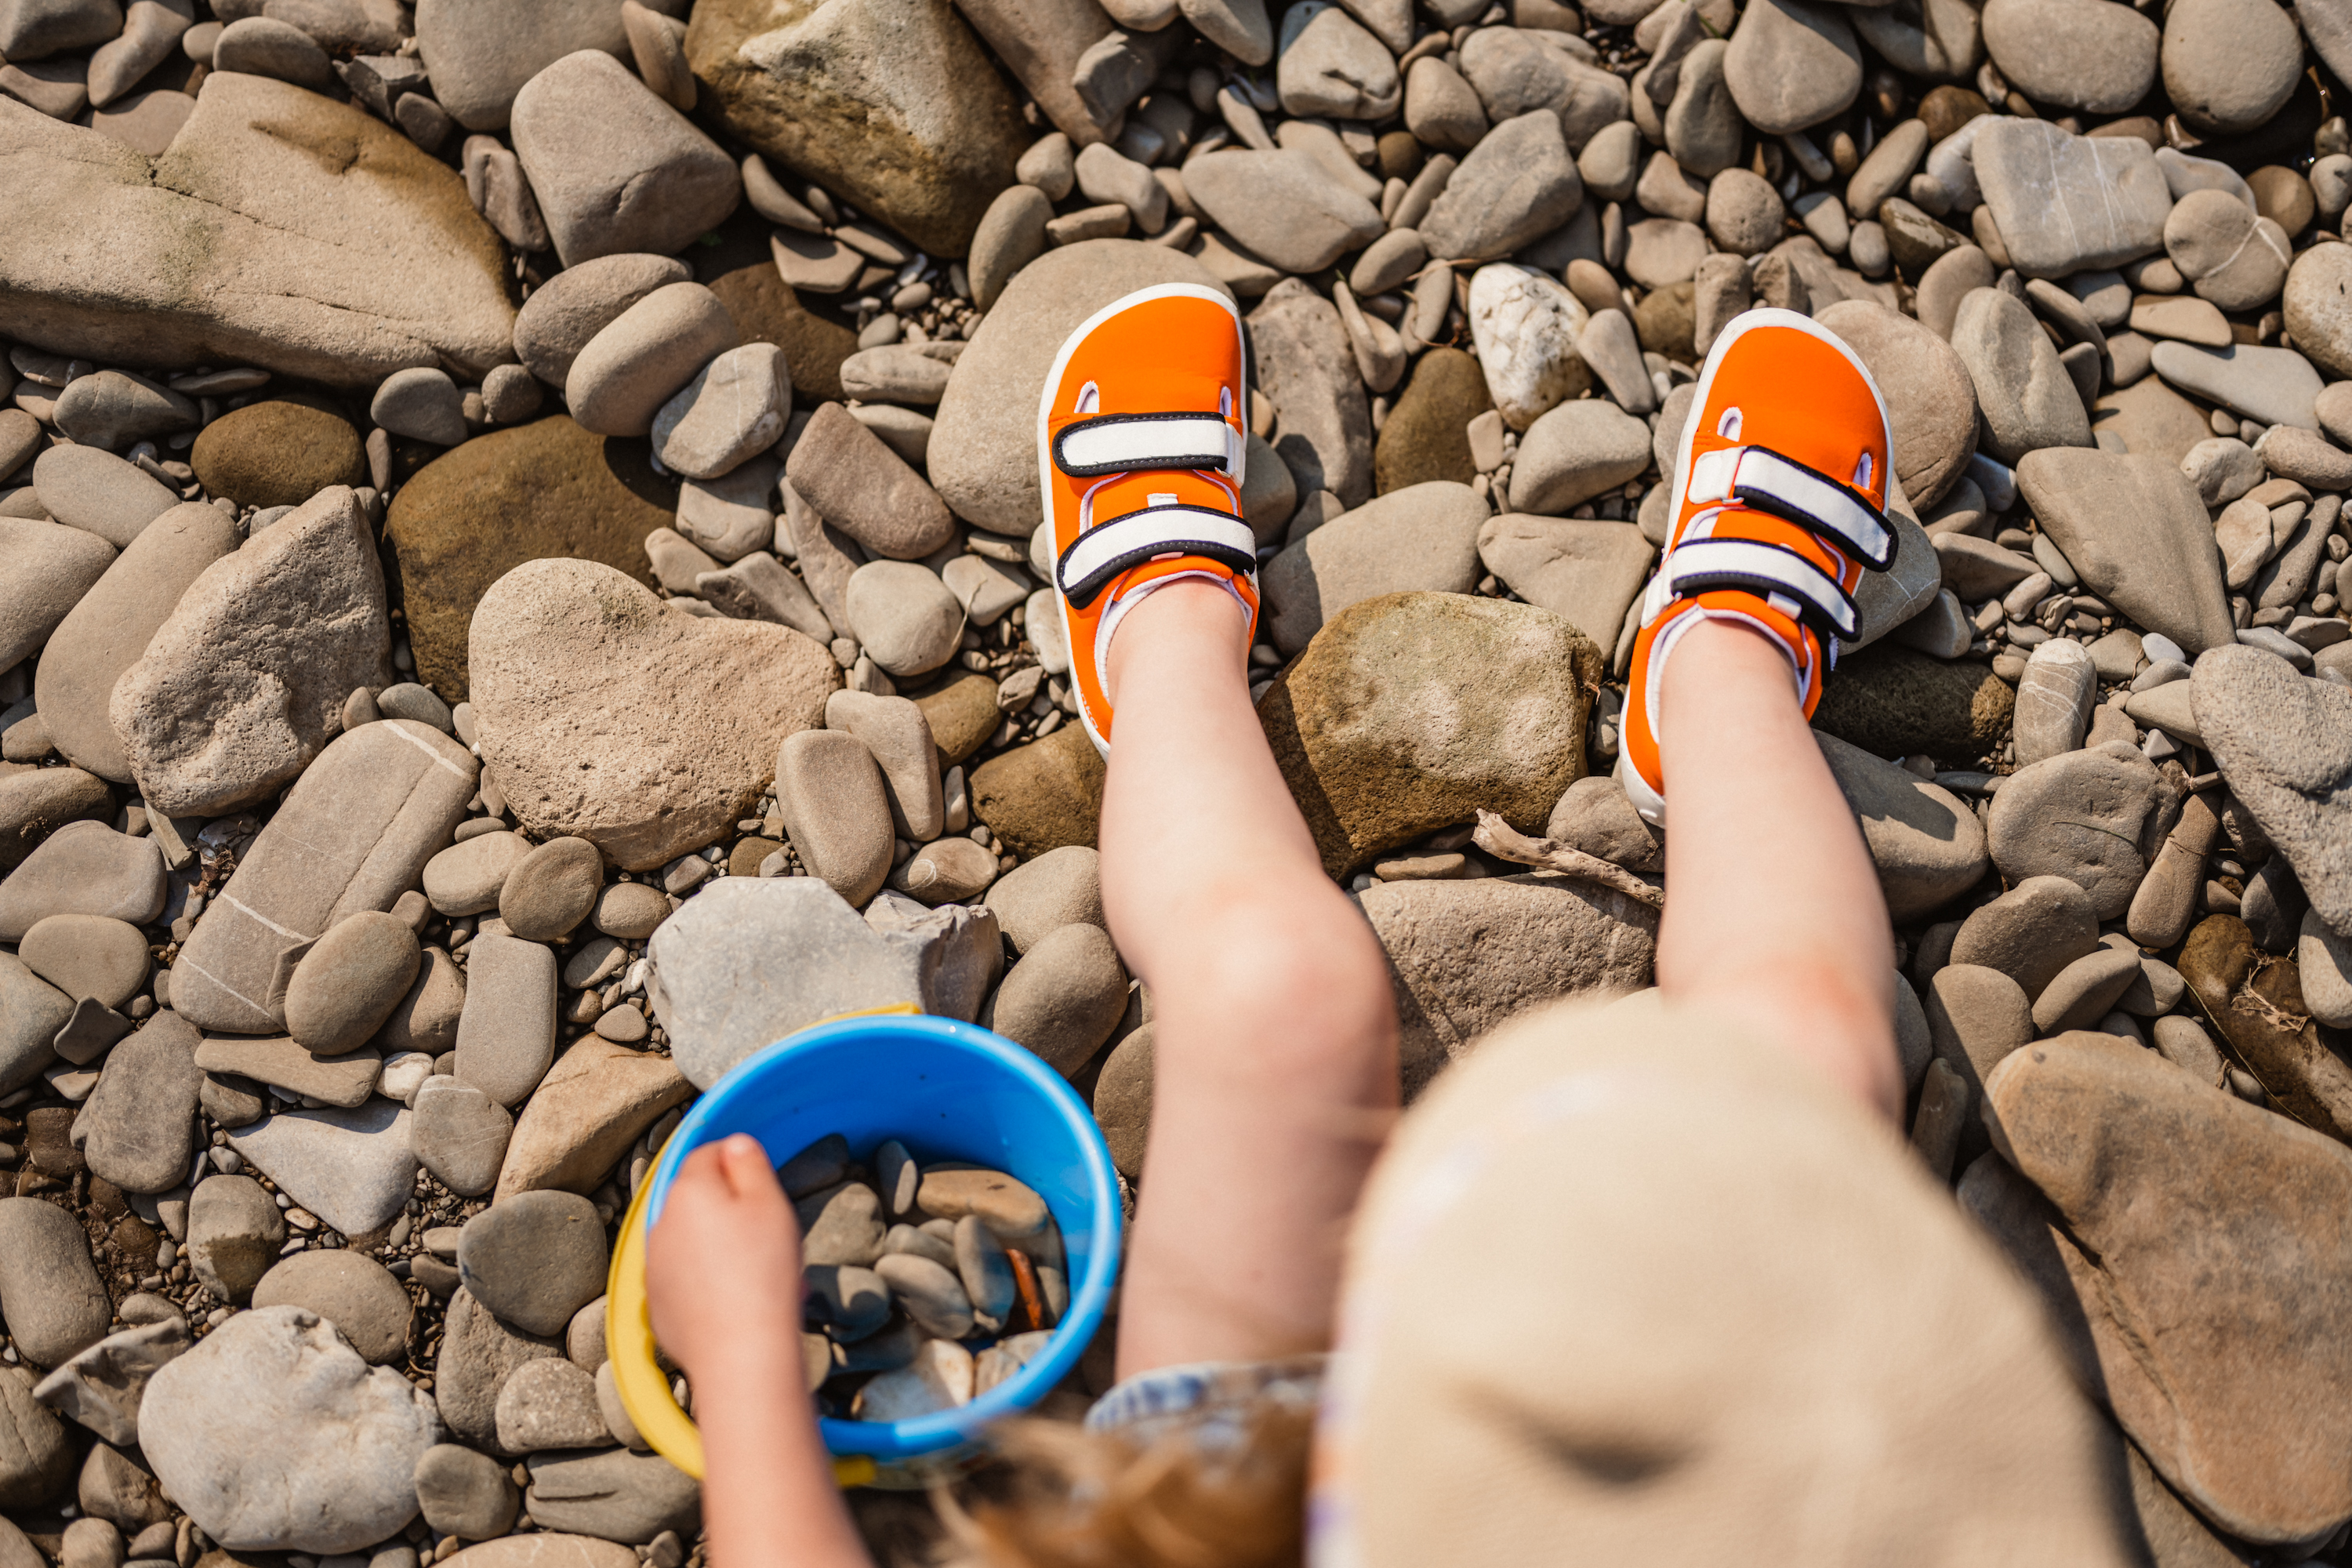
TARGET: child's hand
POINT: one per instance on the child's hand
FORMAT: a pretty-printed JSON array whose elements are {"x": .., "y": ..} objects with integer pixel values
[{"x": 723, "y": 1267}]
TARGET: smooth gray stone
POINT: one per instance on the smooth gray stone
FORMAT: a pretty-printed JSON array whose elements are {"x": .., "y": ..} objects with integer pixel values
[
  {"x": 50, "y": 1295},
  {"x": 722, "y": 995},
  {"x": 83, "y": 868},
  {"x": 615, "y": 1496},
  {"x": 353, "y": 1169},
  {"x": 102, "y": 1388},
  {"x": 32, "y": 1010},
  {"x": 139, "y": 1125},
  {"x": 2066, "y": 203},
  {"x": 274, "y": 1434},
  {"x": 506, "y": 1037}
]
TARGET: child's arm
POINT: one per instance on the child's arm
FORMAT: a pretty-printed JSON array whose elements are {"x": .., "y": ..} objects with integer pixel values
[{"x": 723, "y": 1280}]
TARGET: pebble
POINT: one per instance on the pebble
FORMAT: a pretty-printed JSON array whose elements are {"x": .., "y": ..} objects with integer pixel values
[
  {"x": 2072, "y": 54},
  {"x": 550, "y": 889},
  {"x": 904, "y": 616},
  {"x": 549, "y": 1404},
  {"x": 345, "y": 987},
  {"x": 591, "y": 1106},
  {"x": 939, "y": 1378},
  {"x": 630, "y": 910},
  {"x": 1065, "y": 998},
  {"x": 426, "y": 1019},
  {"x": 562, "y": 651},
  {"x": 114, "y": 408},
  {"x": 2084, "y": 992},
  {"x": 82, "y": 487},
  {"x": 83, "y": 868},
  {"x": 138, "y": 1126},
  {"x": 1060, "y": 887},
  {"x": 2135, "y": 530},
  {"x": 564, "y": 315},
  {"x": 613, "y": 167},
  {"x": 900, "y": 373},
  {"x": 351, "y": 1168},
  {"x": 1608, "y": 345},
  {"x": 101, "y": 1389},
  {"x": 722, "y": 1005},
  {"x": 1328, "y": 65},
  {"x": 734, "y": 407},
  {"x": 620, "y": 379},
  {"x": 857, "y": 484},
  {"x": 31, "y": 1014},
  {"x": 2028, "y": 400},
  {"x": 230, "y": 645},
  {"x": 1328, "y": 722},
  {"x": 2161, "y": 1220},
  {"x": 423, "y": 404},
  {"x": 2255, "y": 711},
  {"x": 2086, "y": 815},
  {"x": 1586, "y": 572},
  {"x": 2062, "y": 203},
  {"x": 732, "y": 517},
  {"x": 50, "y": 1296},
  {"x": 1976, "y": 1019},
  {"x": 234, "y": 1235},
  {"x": 274, "y": 1434},
  {"x": 2030, "y": 932},
  {"x": 1527, "y": 328},
  {"x": 2233, "y": 258},
  {"x": 616, "y": 1495},
  {"x": 2229, "y": 65},
  {"x": 1576, "y": 452},
  {"x": 459, "y": 1133},
  {"x": 1791, "y": 65},
  {"x": 468, "y": 878},
  {"x": 2055, "y": 700},
  {"x": 895, "y": 732},
  {"x": 533, "y": 1259},
  {"x": 468, "y": 1494},
  {"x": 1423, "y": 538},
  {"x": 1923, "y": 842},
  {"x": 356, "y": 1294},
  {"x": 87, "y": 955},
  {"x": 506, "y": 1036},
  {"x": 1281, "y": 206},
  {"x": 1519, "y": 185},
  {"x": 2268, "y": 385},
  {"x": 831, "y": 794}
]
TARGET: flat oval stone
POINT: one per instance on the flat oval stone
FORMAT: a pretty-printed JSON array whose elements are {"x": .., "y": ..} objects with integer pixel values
[
  {"x": 550, "y": 889},
  {"x": 87, "y": 955},
  {"x": 630, "y": 910},
  {"x": 86, "y": 869},
  {"x": 563, "y": 315},
  {"x": 353, "y": 1292},
  {"x": 534, "y": 1259},
  {"x": 344, "y": 988},
  {"x": 628, "y": 370},
  {"x": 50, "y": 1295},
  {"x": 467, "y": 878}
]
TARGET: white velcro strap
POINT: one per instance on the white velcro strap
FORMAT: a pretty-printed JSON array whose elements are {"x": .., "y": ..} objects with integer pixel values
[
  {"x": 1123, "y": 443},
  {"x": 1769, "y": 482},
  {"x": 1790, "y": 584},
  {"x": 1098, "y": 556}
]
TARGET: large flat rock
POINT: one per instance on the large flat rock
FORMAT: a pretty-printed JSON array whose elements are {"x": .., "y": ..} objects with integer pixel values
[{"x": 279, "y": 228}]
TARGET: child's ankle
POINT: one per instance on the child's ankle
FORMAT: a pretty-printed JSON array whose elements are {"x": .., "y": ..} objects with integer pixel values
[{"x": 1197, "y": 617}]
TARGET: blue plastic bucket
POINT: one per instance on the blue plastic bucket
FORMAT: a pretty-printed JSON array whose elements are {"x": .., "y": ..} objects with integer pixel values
[{"x": 948, "y": 1090}]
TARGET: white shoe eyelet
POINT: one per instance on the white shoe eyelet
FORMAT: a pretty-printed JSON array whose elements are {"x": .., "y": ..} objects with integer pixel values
[
  {"x": 1727, "y": 427},
  {"x": 1862, "y": 470},
  {"x": 1089, "y": 398}
]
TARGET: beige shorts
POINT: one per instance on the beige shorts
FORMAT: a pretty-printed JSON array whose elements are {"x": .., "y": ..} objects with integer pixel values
[{"x": 1630, "y": 1287}]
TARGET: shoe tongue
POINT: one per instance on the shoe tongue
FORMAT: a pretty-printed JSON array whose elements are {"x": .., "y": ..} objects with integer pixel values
[{"x": 1160, "y": 487}]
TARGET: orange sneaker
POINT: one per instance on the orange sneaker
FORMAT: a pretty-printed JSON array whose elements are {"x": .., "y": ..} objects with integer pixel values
[
  {"x": 1140, "y": 434},
  {"x": 1780, "y": 504}
]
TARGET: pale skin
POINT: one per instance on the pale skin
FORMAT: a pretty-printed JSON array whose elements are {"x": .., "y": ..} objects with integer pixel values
[{"x": 1275, "y": 1037}]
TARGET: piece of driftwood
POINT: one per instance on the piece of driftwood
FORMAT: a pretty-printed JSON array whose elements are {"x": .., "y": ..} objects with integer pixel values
[{"x": 1500, "y": 840}]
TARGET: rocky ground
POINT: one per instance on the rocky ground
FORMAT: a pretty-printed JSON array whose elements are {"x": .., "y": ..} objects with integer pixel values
[{"x": 518, "y": 585}]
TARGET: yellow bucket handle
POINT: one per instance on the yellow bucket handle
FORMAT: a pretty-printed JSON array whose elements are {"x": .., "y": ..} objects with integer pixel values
[{"x": 629, "y": 1335}]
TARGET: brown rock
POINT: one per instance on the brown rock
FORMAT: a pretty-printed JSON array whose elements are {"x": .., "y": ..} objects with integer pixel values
[
  {"x": 279, "y": 452},
  {"x": 1466, "y": 956},
  {"x": 963, "y": 714},
  {"x": 1425, "y": 436},
  {"x": 2211, "y": 1234},
  {"x": 2256, "y": 1003},
  {"x": 595, "y": 1101},
  {"x": 1041, "y": 796},
  {"x": 245, "y": 683},
  {"x": 1894, "y": 703},
  {"x": 548, "y": 488},
  {"x": 607, "y": 717},
  {"x": 922, "y": 144},
  {"x": 236, "y": 245},
  {"x": 1411, "y": 711},
  {"x": 766, "y": 311},
  {"x": 36, "y": 802}
]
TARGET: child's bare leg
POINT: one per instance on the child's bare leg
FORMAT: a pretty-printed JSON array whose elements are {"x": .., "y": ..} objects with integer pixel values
[
  {"x": 1773, "y": 908},
  {"x": 1275, "y": 1037}
]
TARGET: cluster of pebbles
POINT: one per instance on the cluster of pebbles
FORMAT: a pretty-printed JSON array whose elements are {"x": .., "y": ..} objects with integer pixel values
[
  {"x": 928, "y": 1284},
  {"x": 521, "y": 584}
]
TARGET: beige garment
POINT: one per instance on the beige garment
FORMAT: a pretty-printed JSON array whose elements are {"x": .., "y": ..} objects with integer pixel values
[{"x": 1630, "y": 1287}]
